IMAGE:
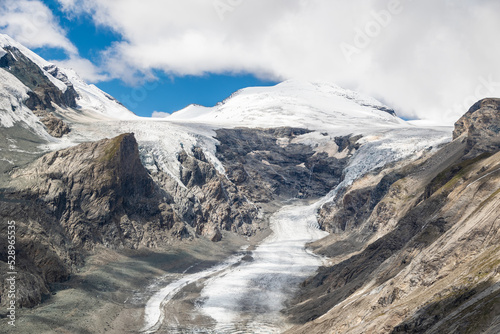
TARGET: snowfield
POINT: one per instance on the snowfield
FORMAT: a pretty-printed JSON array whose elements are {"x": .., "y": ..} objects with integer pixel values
[{"x": 318, "y": 106}]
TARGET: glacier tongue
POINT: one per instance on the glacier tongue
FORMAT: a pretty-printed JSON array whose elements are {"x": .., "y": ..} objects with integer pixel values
[{"x": 251, "y": 295}]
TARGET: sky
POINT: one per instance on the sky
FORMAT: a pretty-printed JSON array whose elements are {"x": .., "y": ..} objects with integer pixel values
[{"x": 427, "y": 59}]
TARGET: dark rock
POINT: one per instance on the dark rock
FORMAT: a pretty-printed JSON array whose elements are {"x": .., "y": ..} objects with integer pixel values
[
  {"x": 43, "y": 92},
  {"x": 264, "y": 170},
  {"x": 481, "y": 125},
  {"x": 32, "y": 76}
]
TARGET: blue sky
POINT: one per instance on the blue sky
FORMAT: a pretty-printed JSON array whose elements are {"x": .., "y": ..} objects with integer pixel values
[
  {"x": 418, "y": 57},
  {"x": 164, "y": 93}
]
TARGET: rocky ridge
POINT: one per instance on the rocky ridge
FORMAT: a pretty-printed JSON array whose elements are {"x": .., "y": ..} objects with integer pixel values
[
  {"x": 43, "y": 92},
  {"x": 100, "y": 194}
]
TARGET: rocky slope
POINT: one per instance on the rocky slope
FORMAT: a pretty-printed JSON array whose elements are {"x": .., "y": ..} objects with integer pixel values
[
  {"x": 415, "y": 248},
  {"x": 69, "y": 201}
]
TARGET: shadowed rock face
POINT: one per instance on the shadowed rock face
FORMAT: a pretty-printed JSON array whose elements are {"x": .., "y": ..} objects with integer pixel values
[
  {"x": 93, "y": 186},
  {"x": 32, "y": 76},
  {"x": 481, "y": 125},
  {"x": 265, "y": 170}
]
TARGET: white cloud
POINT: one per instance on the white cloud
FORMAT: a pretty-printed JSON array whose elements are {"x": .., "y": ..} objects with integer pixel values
[
  {"x": 32, "y": 24},
  {"x": 85, "y": 69},
  {"x": 159, "y": 114},
  {"x": 427, "y": 58}
]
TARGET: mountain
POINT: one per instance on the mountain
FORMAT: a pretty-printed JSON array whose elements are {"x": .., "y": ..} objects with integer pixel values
[
  {"x": 294, "y": 103},
  {"x": 143, "y": 220},
  {"x": 39, "y": 101}
]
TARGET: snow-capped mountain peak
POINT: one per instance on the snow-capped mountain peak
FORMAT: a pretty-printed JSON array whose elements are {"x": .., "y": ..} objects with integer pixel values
[
  {"x": 313, "y": 105},
  {"x": 89, "y": 98},
  {"x": 6, "y": 42}
]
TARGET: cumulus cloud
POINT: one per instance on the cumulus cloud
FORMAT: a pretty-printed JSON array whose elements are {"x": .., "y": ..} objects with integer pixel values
[
  {"x": 429, "y": 59},
  {"x": 32, "y": 23}
]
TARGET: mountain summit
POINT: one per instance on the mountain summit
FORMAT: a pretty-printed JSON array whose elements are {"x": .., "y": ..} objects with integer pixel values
[{"x": 294, "y": 103}]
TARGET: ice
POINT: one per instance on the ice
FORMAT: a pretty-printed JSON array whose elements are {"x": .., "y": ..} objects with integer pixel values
[
  {"x": 248, "y": 296},
  {"x": 252, "y": 294},
  {"x": 153, "y": 313}
]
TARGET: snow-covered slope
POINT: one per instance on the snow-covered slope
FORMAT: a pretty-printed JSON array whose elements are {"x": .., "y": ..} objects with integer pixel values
[
  {"x": 6, "y": 41},
  {"x": 12, "y": 110},
  {"x": 93, "y": 99},
  {"x": 294, "y": 103},
  {"x": 90, "y": 98}
]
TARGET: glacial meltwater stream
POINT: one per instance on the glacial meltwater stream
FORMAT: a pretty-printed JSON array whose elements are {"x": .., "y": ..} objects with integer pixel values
[{"x": 247, "y": 298}]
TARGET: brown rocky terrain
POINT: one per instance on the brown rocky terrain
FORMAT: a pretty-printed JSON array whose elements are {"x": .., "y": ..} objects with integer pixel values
[{"x": 415, "y": 249}]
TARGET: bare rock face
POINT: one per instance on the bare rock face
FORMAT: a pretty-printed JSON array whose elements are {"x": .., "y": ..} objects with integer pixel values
[
  {"x": 210, "y": 203},
  {"x": 55, "y": 126},
  {"x": 69, "y": 202},
  {"x": 92, "y": 186},
  {"x": 265, "y": 164},
  {"x": 481, "y": 125}
]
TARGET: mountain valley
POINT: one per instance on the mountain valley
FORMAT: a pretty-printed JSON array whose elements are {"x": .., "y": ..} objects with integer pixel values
[{"x": 298, "y": 208}]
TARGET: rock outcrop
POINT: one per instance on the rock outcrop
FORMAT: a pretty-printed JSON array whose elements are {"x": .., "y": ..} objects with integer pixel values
[
  {"x": 43, "y": 92},
  {"x": 68, "y": 202},
  {"x": 481, "y": 126}
]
